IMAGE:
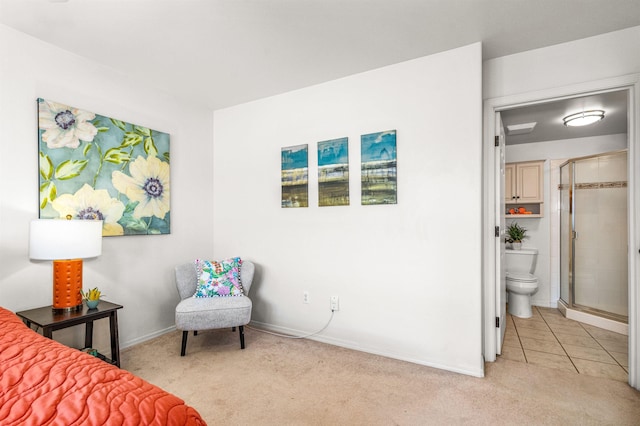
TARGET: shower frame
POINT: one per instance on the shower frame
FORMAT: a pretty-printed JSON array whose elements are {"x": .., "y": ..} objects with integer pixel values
[{"x": 570, "y": 303}]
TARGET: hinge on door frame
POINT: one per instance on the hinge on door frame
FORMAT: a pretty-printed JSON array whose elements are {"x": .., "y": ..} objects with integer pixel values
[
  {"x": 497, "y": 140},
  {"x": 497, "y": 231},
  {"x": 497, "y": 322}
]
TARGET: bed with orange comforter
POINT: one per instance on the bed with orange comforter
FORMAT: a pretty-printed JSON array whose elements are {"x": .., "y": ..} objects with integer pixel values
[{"x": 43, "y": 382}]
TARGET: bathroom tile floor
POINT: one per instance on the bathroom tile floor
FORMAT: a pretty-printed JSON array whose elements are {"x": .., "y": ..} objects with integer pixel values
[{"x": 548, "y": 339}]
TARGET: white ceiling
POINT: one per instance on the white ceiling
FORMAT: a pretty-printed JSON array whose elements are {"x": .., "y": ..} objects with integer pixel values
[{"x": 219, "y": 53}]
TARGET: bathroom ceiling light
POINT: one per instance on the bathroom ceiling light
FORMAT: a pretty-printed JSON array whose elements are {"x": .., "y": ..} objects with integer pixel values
[{"x": 583, "y": 118}]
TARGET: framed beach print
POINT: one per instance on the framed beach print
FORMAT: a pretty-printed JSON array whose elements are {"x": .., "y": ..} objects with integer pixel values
[
  {"x": 95, "y": 167},
  {"x": 379, "y": 182},
  {"x": 333, "y": 172},
  {"x": 294, "y": 176}
]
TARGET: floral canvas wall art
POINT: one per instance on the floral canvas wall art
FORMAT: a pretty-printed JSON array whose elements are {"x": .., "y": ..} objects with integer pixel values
[
  {"x": 96, "y": 167},
  {"x": 294, "y": 176},
  {"x": 333, "y": 172},
  {"x": 379, "y": 172}
]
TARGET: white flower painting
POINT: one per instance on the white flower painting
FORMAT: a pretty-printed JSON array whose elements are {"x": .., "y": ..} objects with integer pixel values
[{"x": 95, "y": 167}]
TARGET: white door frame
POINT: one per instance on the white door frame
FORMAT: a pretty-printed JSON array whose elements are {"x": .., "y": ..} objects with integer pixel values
[{"x": 631, "y": 83}]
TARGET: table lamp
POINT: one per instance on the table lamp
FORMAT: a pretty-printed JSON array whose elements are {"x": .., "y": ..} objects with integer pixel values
[{"x": 66, "y": 242}]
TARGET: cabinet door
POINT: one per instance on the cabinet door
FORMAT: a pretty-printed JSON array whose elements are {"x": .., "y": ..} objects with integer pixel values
[
  {"x": 529, "y": 182},
  {"x": 510, "y": 183}
]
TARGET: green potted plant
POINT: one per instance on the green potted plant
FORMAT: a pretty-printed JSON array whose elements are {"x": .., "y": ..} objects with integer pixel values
[
  {"x": 515, "y": 235},
  {"x": 92, "y": 297}
]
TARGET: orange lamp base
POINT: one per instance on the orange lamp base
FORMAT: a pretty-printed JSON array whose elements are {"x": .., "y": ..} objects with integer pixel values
[{"x": 67, "y": 283}]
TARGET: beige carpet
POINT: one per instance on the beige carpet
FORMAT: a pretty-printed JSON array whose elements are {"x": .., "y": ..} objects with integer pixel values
[{"x": 278, "y": 381}]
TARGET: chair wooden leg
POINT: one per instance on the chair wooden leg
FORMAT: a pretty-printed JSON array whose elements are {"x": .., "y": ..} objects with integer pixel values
[
  {"x": 233, "y": 329},
  {"x": 241, "y": 328},
  {"x": 195, "y": 332},
  {"x": 185, "y": 334}
]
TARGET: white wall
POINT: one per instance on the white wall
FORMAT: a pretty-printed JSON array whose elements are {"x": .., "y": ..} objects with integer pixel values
[
  {"x": 543, "y": 232},
  {"x": 408, "y": 275},
  {"x": 135, "y": 271}
]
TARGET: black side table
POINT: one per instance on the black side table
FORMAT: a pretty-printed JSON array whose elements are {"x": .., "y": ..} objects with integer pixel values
[{"x": 50, "y": 321}]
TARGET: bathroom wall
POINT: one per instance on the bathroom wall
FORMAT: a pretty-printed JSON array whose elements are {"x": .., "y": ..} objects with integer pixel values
[{"x": 543, "y": 232}]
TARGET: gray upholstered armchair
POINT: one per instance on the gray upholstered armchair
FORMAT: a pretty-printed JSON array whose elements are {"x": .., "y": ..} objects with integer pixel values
[{"x": 194, "y": 314}]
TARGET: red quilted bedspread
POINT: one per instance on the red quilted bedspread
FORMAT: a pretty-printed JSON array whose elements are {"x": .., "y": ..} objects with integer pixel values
[{"x": 43, "y": 382}]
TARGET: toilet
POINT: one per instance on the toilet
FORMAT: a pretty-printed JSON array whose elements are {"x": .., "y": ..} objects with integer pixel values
[{"x": 521, "y": 283}]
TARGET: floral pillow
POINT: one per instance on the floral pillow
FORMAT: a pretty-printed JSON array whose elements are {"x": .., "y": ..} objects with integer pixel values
[{"x": 218, "y": 278}]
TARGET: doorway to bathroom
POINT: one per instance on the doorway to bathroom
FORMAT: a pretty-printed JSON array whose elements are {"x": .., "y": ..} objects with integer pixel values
[
  {"x": 544, "y": 147},
  {"x": 629, "y": 87}
]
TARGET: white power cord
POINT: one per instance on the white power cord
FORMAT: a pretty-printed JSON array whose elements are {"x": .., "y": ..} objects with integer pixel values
[{"x": 295, "y": 337}]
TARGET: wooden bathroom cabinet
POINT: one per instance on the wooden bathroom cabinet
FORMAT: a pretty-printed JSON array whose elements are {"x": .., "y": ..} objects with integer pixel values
[{"x": 524, "y": 187}]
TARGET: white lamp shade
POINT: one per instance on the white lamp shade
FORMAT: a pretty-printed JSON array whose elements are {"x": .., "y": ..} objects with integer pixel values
[{"x": 56, "y": 239}]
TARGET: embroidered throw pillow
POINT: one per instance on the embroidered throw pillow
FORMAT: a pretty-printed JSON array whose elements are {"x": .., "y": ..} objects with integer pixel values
[{"x": 218, "y": 278}]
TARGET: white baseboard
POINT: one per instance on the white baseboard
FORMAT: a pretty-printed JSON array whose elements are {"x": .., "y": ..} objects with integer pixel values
[
  {"x": 146, "y": 337},
  {"x": 323, "y": 339},
  {"x": 357, "y": 347},
  {"x": 543, "y": 303}
]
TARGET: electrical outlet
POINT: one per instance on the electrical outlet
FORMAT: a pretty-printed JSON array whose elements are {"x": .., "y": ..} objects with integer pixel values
[
  {"x": 335, "y": 303},
  {"x": 305, "y": 297}
]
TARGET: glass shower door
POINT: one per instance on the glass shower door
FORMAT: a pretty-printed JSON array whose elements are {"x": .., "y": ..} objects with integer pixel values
[
  {"x": 594, "y": 235},
  {"x": 600, "y": 245}
]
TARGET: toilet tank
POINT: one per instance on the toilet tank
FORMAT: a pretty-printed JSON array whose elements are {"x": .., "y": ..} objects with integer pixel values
[{"x": 521, "y": 261}]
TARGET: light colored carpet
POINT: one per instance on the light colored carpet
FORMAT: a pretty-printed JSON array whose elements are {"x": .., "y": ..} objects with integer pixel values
[{"x": 278, "y": 381}]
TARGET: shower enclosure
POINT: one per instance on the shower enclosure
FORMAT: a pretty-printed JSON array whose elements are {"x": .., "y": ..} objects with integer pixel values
[{"x": 593, "y": 235}]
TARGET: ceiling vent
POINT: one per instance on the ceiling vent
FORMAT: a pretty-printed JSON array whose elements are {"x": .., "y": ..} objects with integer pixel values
[{"x": 520, "y": 129}]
